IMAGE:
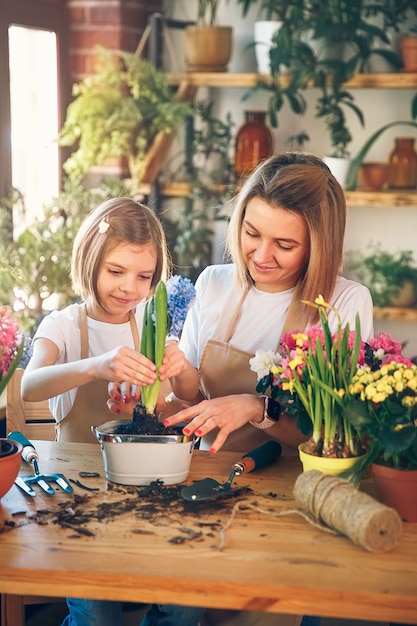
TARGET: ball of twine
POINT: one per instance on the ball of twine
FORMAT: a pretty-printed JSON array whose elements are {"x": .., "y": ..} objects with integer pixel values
[{"x": 337, "y": 503}]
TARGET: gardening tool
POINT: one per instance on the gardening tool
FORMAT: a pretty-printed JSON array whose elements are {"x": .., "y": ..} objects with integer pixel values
[
  {"x": 30, "y": 455},
  {"x": 208, "y": 488}
]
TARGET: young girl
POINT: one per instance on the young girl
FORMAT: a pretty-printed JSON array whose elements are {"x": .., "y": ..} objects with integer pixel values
[{"x": 119, "y": 255}]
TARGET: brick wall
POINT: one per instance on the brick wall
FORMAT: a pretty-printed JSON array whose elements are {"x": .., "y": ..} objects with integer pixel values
[{"x": 110, "y": 23}]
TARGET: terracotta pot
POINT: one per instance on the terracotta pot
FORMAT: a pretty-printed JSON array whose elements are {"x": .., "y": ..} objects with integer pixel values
[
  {"x": 398, "y": 489},
  {"x": 208, "y": 48},
  {"x": 373, "y": 175},
  {"x": 327, "y": 465},
  {"x": 10, "y": 458},
  {"x": 408, "y": 49}
]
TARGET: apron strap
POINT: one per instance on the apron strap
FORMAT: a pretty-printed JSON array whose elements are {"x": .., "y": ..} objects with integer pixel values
[
  {"x": 296, "y": 318},
  {"x": 84, "y": 331}
]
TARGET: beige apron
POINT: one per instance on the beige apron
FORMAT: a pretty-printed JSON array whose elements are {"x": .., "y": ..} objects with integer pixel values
[
  {"x": 90, "y": 405},
  {"x": 224, "y": 370}
]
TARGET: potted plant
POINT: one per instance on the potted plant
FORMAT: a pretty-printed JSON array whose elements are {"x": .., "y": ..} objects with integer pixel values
[
  {"x": 117, "y": 112},
  {"x": 309, "y": 378},
  {"x": 312, "y": 377},
  {"x": 390, "y": 277},
  {"x": 208, "y": 45},
  {"x": 207, "y": 168},
  {"x": 383, "y": 407}
]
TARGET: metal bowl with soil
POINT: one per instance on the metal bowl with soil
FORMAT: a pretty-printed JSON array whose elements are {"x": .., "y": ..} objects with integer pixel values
[{"x": 138, "y": 452}]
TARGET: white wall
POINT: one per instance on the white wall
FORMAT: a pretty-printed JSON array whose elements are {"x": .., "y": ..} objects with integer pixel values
[{"x": 394, "y": 227}]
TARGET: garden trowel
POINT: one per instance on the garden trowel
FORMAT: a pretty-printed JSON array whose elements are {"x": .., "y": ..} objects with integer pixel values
[{"x": 209, "y": 488}]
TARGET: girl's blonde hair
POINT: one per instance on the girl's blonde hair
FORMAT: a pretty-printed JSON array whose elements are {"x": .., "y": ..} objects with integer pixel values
[
  {"x": 114, "y": 222},
  {"x": 303, "y": 184}
]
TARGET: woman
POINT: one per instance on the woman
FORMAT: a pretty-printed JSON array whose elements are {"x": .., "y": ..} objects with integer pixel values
[{"x": 285, "y": 240}]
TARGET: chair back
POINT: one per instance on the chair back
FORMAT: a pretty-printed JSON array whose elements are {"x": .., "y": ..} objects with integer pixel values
[{"x": 33, "y": 419}]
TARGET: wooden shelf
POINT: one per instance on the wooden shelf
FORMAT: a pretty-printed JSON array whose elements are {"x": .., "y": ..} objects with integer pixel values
[
  {"x": 395, "y": 313},
  {"x": 180, "y": 189},
  {"x": 224, "y": 80},
  {"x": 382, "y": 198}
]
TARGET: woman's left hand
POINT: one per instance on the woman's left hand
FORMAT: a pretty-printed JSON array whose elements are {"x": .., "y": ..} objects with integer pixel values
[{"x": 227, "y": 413}]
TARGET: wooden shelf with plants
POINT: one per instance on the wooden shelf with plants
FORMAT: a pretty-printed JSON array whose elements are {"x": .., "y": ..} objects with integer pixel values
[
  {"x": 397, "y": 314},
  {"x": 241, "y": 80}
]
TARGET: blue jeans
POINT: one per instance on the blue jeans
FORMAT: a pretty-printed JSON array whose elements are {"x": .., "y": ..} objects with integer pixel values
[{"x": 108, "y": 613}]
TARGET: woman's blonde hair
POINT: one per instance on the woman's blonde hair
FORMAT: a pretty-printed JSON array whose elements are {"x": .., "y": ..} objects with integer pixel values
[
  {"x": 114, "y": 222},
  {"x": 303, "y": 184}
]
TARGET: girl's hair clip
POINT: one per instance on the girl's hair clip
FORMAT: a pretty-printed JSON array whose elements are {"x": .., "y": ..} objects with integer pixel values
[{"x": 103, "y": 227}]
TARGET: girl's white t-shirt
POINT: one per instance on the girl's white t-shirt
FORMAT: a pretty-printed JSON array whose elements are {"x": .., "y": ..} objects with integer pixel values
[
  {"x": 63, "y": 328},
  {"x": 260, "y": 321}
]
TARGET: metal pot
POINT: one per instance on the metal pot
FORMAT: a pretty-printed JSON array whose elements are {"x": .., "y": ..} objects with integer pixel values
[{"x": 131, "y": 459}]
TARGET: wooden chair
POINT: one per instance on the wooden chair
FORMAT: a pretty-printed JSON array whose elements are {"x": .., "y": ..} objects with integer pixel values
[{"x": 35, "y": 421}]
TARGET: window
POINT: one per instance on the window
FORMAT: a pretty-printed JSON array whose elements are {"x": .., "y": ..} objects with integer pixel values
[{"x": 32, "y": 38}]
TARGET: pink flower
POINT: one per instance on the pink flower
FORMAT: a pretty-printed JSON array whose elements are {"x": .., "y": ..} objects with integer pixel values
[
  {"x": 396, "y": 358},
  {"x": 382, "y": 341},
  {"x": 9, "y": 340}
]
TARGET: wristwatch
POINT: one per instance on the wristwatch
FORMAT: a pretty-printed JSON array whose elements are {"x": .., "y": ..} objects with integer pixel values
[{"x": 272, "y": 410}]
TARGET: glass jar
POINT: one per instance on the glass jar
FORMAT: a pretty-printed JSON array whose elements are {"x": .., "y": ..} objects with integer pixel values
[
  {"x": 403, "y": 164},
  {"x": 253, "y": 142}
]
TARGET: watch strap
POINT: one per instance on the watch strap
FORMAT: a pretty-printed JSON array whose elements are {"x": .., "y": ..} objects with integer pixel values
[{"x": 270, "y": 416}]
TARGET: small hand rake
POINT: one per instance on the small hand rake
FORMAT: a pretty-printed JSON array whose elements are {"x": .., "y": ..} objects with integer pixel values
[{"x": 30, "y": 455}]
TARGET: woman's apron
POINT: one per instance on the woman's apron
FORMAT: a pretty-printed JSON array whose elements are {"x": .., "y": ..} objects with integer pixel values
[
  {"x": 225, "y": 370},
  {"x": 90, "y": 405}
]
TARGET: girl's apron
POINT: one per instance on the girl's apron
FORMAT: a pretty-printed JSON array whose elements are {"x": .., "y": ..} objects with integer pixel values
[
  {"x": 224, "y": 370},
  {"x": 90, "y": 405}
]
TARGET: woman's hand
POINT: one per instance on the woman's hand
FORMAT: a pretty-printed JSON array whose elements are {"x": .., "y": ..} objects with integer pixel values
[{"x": 227, "y": 414}]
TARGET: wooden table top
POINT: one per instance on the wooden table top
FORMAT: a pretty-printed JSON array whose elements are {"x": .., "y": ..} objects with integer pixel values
[{"x": 113, "y": 544}]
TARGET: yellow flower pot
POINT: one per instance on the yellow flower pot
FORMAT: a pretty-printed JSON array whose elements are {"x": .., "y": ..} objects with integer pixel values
[{"x": 327, "y": 465}]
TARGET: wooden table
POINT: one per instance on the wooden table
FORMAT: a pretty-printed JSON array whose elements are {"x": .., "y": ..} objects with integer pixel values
[{"x": 275, "y": 564}]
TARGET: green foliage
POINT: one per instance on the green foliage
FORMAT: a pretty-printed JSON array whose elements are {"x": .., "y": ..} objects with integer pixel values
[
  {"x": 336, "y": 27},
  {"x": 38, "y": 260},
  {"x": 118, "y": 111},
  {"x": 383, "y": 272}
]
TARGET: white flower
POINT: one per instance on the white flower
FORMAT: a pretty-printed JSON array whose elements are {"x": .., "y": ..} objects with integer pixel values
[
  {"x": 262, "y": 362},
  {"x": 103, "y": 227}
]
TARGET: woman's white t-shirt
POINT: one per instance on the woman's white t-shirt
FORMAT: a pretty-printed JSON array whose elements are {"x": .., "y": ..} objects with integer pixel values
[
  {"x": 63, "y": 328},
  {"x": 261, "y": 318}
]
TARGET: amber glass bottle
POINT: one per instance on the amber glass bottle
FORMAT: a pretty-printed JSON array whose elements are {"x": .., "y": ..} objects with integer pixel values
[
  {"x": 253, "y": 142},
  {"x": 403, "y": 164}
]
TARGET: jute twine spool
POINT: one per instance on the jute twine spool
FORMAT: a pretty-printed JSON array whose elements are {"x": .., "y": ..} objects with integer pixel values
[{"x": 338, "y": 504}]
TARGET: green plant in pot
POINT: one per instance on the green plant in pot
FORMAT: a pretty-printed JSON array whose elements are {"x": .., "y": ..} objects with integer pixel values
[
  {"x": 117, "y": 112},
  {"x": 383, "y": 407},
  {"x": 310, "y": 377},
  {"x": 385, "y": 273}
]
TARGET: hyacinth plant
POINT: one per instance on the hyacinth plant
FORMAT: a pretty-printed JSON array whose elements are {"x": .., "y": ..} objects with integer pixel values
[
  {"x": 11, "y": 347},
  {"x": 164, "y": 317}
]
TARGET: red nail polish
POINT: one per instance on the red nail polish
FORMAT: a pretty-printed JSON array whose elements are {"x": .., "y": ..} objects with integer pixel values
[
  {"x": 186, "y": 431},
  {"x": 165, "y": 422},
  {"x": 118, "y": 410},
  {"x": 126, "y": 399},
  {"x": 198, "y": 433},
  {"x": 212, "y": 451},
  {"x": 116, "y": 397}
]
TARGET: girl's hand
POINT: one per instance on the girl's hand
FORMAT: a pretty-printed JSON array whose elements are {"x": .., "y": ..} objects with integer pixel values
[
  {"x": 125, "y": 364},
  {"x": 227, "y": 414},
  {"x": 174, "y": 361}
]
